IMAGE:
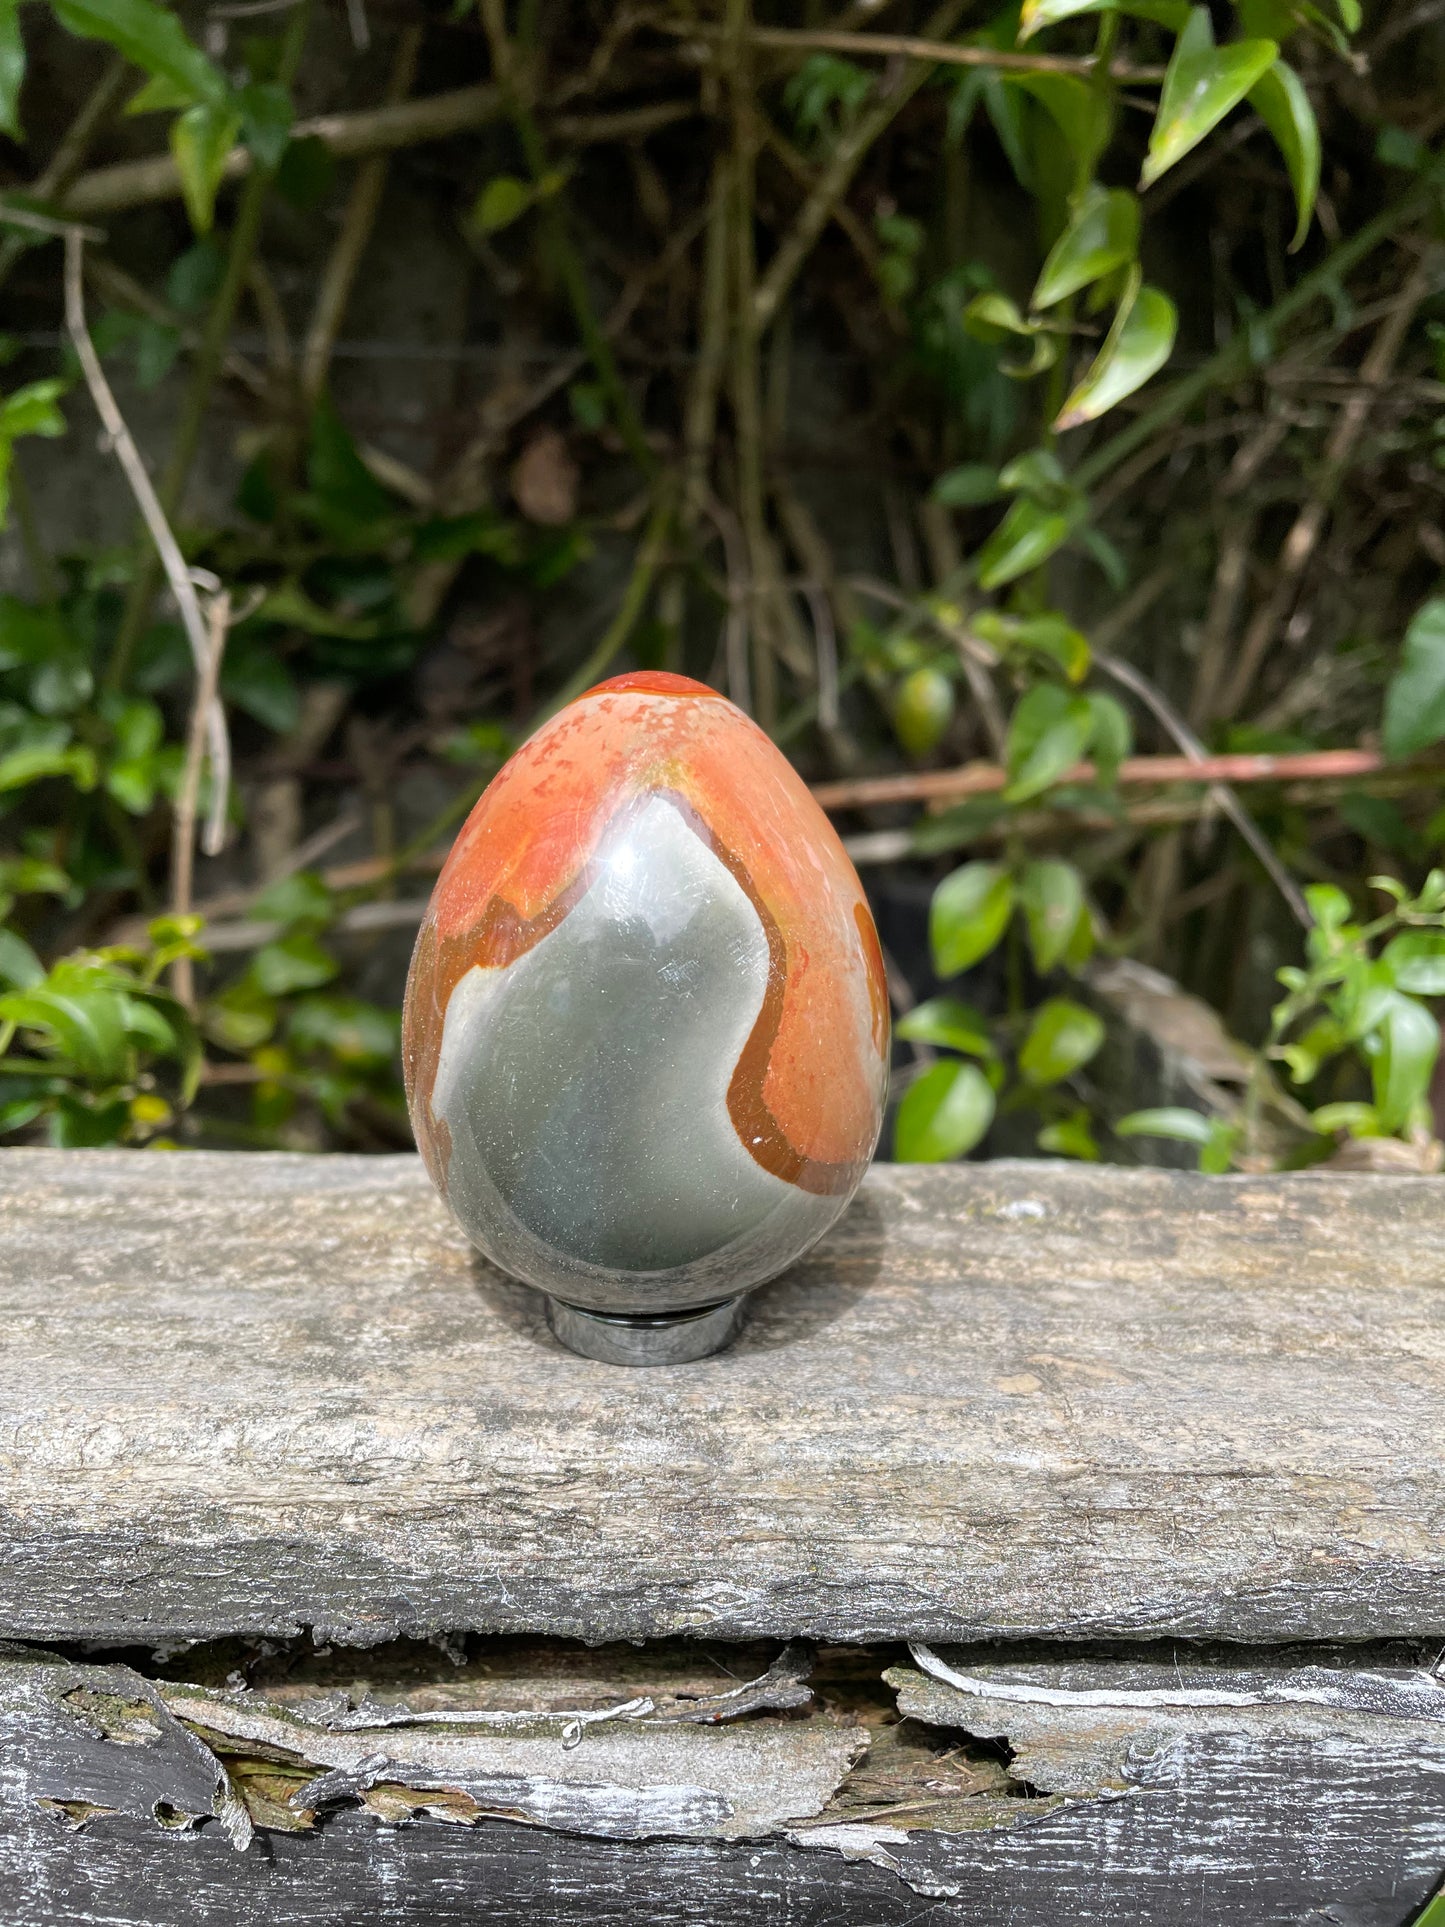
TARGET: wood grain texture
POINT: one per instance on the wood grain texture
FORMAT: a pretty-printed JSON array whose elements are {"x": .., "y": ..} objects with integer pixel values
[
  {"x": 259, "y": 1394},
  {"x": 112, "y": 1810}
]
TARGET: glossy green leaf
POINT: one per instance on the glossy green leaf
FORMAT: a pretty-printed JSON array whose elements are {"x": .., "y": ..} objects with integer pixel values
[
  {"x": 1027, "y": 536},
  {"x": 1111, "y": 737},
  {"x": 1071, "y": 1137},
  {"x": 1047, "y": 735},
  {"x": 201, "y": 141},
  {"x": 1049, "y": 636},
  {"x": 949, "y": 1023},
  {"x": 1172, "y": 1121},
  {"x": 1279, "y": 98},
  {"x": 1083, "y": 114},
  {"x": 12, "y": 68},
  {"x": 1038, "y": 14},
  {"x": 20, "y": 968},
  {"x": 1051, "y": 893},
  {"x": 922, "y": 710},
  {"x": 502, "y": 201},
  {"x": 1416, "y": 960},
  {"x": 160, "y": 95},
  {"x": 265, "y": 120},
  {"x": 301, "y": 897},
  {"x": 1137, "y": 347},
  {"x": 1407, "y": 1043},
  {"x": 1415, "y": 698},
  {"x": 1102, "y": 236},
  {"x": 969, "y": 914},
  {"x": 33, "y": 410},
  {"x": 348, "y": 1028},
  {"x": 25, "y": 766},
  {"x": 294, "y": 962},
  {"x": 151, "y": 37},
  {"x": 967, "y": 487},
  {"x": 1061, "y": 1040},
  {"x": 1203, "y": 83},
  {"x": 944, "y": 1113}
]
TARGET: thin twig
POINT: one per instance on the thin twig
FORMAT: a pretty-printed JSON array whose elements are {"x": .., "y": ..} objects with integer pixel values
[
  {"x": 926, "y": 47},
  {"x": 167, "y": 548},
  {"x": 46, "y": 223},
  {"x": 357, "y": 222},
  {"x": 983, "y": 779},
  {"x": 183, "y": 828},
  {"x": 650, "y": 552},
  {"x": 833, "y": 183},
  {"x": 1194, "y": 750},
  {"x": 1304, "y": 536},
  {"x": 374, "y": 130}
]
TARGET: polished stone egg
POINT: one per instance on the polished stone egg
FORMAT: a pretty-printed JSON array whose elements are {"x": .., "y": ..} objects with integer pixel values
[{"x": 646, "y": 1025}]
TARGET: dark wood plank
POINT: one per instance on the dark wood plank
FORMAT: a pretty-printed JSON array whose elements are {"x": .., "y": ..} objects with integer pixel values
[
  {"x": 266, "y": 1393},
  {"x": 1269, "y": 1815}
]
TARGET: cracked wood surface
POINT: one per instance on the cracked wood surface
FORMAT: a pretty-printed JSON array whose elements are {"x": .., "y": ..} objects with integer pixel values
[
  {"x": 253, "y": 1394},
  {"x": 114, "y": 1806}
]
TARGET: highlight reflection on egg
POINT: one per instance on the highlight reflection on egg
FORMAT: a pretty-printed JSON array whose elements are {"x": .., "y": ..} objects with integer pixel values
[{"x": 646, "y": 1026}]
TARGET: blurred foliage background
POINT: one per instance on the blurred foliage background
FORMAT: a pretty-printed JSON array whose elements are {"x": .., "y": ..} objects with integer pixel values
[{"x": 1033, "y": 418}]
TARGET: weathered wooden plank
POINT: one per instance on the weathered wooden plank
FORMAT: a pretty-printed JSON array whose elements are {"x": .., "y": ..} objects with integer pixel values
[
  {"x": 266, "y": 1393},
  {"x": 1280, "y": 1811}
]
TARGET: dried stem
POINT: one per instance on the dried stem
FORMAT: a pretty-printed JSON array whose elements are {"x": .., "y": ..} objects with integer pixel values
[
  {"x": 1304, "y": 536},
  {"x": 183, "y": 829},
  {"x": 833, "y": 183},
  {"x": 925, "y": 47},
  {"x": 1194, "y": 750},
  {"x": 984, "y": 779},
  {"x": 356, "y": 225},
  {"x": 166, "y": 547}
]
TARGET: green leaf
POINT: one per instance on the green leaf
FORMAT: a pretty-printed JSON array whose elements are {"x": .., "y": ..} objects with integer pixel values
[
  {"x": 300, "y": 898},
  {"x": 1047, "y": 735},
  {"x": 294, "y": 962},
  {"x": 151, "y": 38},
  {"x": 85, "y": 1020},
  {"x": 12, "y": 68},
  {"x": 949, "y": 1023},
  {"x": 1027, "y": 536},
  {"x": 25, "y": 766},
  {"x": 350, "y": 1029},
  {"x": 967, "y": 487},
  {"x": 1111, "y": 736},
  {"x": 32, "y": 410},
  {"x": 1202, "y": 84},
  {"x": 1052, "y": 895},
  {"x": 922, "y": 710},
  {"x": 1046, "y": 13},
  {"x": 20, "y": 968},
  {"x": 1415, "y": 698},
  {"x": 1071, "y": 1137},
  {"x": 1406, "y": 1045},
  {"x": 336, "y": 473},
  {"x": 943, "y": 1114},
  {"x": 1048, "y": 635},
  {"x": 503, "y": 200},
  {"x": 1137, "y": 346},
  {"x": 201, "y": 141},
  {"x": 1188, "y": 1127},
  {"x": 1416, "y": 959},
  {"x": 265, "y": 121},
  {"x": 970, "y": 912},
  {"x": 1102, "y": 236},
  {"x": 159, "y": 95},
  {"x": 256, "y": 680},
  {"x": 1279, "y": 98},
  {"x": 1062, "y": 1038},
  {"x": 1083, "y": 114}
]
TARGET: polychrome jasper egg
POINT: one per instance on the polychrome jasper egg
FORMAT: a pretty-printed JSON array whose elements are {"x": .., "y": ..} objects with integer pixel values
[{"x": 646, "y": 1026}]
